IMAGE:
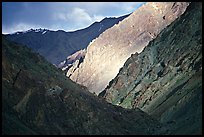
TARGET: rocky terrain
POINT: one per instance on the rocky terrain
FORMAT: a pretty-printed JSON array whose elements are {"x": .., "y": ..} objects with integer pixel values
[
  {"x": 108, "y": 53},
  {"x": 38, "y": 99},
  {"x": 149, "y": 72},
  {"x": 72, "y": 62},
  {"x": 165, "y": 80},
  {"x": 56, "y": 46}
]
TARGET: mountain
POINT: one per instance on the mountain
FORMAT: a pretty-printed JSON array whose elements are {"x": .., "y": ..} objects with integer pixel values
[
  {"x": 165, "y": 80},
  {"x": 55, "y": 46},
  {"x": 107, "y": 54},
  {"x": 76, "y": 58},
  {"x": 38, "y": 99}
]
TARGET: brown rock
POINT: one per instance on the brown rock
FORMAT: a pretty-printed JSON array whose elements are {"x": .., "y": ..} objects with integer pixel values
[{"x": 108, "y": 53}]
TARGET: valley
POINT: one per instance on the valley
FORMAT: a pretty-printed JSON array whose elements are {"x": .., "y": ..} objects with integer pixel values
[{"x": 138, "y": 74}]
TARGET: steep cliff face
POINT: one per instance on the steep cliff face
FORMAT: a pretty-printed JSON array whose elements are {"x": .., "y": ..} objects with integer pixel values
[
  {"x": 72, "y": 58},
  {"x": 72, "y": 62},
  {"x": 165, "y": 80},
  {"x": 38, "y": 99},
  {"x": 108, "y": 53}
]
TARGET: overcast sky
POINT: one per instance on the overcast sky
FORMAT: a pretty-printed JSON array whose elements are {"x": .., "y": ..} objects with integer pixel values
[{"x": 68, "y": 16}]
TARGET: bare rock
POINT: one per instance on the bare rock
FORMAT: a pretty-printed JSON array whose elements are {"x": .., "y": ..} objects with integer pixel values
[
  {"x": 108, "y": 53},
  {"x": 165, "y": 79}
]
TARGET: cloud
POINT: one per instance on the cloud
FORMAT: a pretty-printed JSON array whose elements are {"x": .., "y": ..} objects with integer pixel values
[
  {"x": 59, "y": 16},
  {"x": 78, "y": 16},
  {"x": 19, "y": 16},
  {"x": 97, "y": 18}
]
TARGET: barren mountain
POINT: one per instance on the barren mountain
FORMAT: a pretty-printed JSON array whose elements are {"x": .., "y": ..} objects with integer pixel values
[
  {"x": 158, "y": 90},
  {"x": 56, "y": 46},
  {"x": 108, "y": 53},
  {"x": 165, "y": 80}
]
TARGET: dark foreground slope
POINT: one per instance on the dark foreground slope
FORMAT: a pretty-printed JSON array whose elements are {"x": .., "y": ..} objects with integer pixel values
[
  {"x": 165, "y": 80},
  {"x": 55, "y": 46},
  {"x": 38, "y": 99}
]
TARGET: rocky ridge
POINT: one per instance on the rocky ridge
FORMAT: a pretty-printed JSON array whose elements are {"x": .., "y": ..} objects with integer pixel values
[
  {"x": 165, "y": 80},
  {"x": 108, "y": 53}
]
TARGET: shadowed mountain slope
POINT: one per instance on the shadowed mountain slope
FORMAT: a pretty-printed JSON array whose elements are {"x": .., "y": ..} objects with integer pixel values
[
  {"x": 55, "y": 46},
  {"x": 165, "y": 80},
  {"x": 38, "y": 99}
]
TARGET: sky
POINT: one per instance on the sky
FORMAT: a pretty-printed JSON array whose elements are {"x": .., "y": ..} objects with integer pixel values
[{"x": 67, "y": 16}]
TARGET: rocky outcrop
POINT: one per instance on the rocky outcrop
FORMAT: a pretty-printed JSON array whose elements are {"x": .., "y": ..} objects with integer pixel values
[
  {"x": 72, "y": 58},
  {"x": 72, "y": 62},
  {"x": 108, "y": 53},
  {"x": 165, "y": 79},
  {"x": 71, "y": 68}
]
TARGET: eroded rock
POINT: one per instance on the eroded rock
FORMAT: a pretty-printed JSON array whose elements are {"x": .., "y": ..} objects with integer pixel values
[{"x": 108, "y": 53}]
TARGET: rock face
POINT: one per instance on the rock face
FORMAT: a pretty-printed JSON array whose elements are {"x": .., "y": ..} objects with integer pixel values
[
  {"x": 72, "y": 58},
  {"x": 108, "y": 53},
  {"x": 38, "y": 99},
  {"x": 165, "y": 80},
  {"x": 71, "y": 68},
  {"x": 55, "y": 46},
  {"x": 72, "y": 62}
]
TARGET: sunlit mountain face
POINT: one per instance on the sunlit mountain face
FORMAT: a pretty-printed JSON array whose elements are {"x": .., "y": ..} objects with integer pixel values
[{"x": 108, "y": 53}]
